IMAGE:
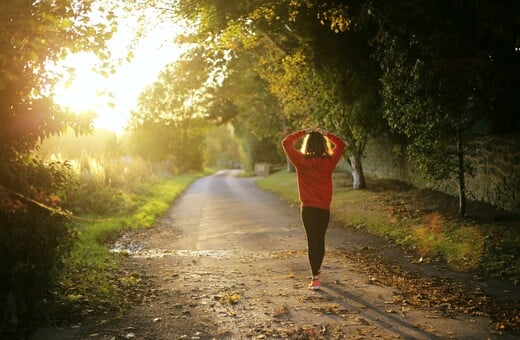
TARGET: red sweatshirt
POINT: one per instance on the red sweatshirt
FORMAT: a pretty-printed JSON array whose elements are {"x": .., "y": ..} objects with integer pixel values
[{"x": 314, "y": 173}]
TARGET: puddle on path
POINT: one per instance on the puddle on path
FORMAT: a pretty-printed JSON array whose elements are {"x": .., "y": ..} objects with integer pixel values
[
  {"x": 136, "y": 248},
  {"x": 138, "y": 251},
  {"x": 158, "y": 253}
]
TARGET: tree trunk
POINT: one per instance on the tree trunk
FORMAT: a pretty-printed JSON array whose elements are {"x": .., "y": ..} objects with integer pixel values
[
  {"x": 358, "y": 177},
  {"x": 184, "y": 166},
  {"x": 246, "y": 157},
  {"x": 290, "y": 167},
  {"x": 461, "y": 177}
]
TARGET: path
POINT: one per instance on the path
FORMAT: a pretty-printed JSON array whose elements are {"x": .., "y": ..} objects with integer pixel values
[{"x": 229, "y": 261}]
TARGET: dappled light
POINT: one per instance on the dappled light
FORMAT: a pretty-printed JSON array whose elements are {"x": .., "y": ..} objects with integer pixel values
[
  {"x": 141, "y": 169},
  {"x": 84, "y": 91}
]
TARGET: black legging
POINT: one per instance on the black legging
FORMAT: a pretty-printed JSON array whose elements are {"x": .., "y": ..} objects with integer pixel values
[{"x": 315, "y": 221}]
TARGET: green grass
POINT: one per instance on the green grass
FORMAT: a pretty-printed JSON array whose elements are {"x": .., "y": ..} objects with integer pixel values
[
  {"x": 283, "y": 183},
  {"x": 89, "y": 275},
  {"x": 421, "y": 222},
  {"x": 245, "y": 174}
]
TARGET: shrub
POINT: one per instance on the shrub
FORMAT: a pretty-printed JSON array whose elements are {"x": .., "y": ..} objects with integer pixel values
[
  {"x": 84, "y": 198},
  {"x": 34, "y": 239},
  {"x": 94, "y": 187},
  {"x": 32, "y": 246}
]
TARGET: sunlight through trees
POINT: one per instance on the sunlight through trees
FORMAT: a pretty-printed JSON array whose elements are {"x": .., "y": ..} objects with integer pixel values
[{"x": 430, "y": 77}]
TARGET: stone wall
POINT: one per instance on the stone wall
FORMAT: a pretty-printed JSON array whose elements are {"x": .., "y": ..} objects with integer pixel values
[{"x": 496, "y": 170}]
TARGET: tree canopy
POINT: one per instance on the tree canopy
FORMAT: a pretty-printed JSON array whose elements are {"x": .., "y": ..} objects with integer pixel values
[
  {"x": 173, "y": 112},
  {"x": 441, "y": 67},
  {"x": 305, "y": 53},
  {"x": 435, "y": 73},
  {"x": 36, "y": 34}
]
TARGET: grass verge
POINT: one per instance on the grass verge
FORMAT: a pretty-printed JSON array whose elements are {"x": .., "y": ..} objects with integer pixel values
[
  {"x": 90, "y": 276},
  {"x": 424, "y": 221}
]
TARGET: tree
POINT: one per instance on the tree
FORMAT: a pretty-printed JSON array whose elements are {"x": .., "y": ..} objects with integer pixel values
[
  {"x": 312, "y": 65},
  {"x": 35, "y": 34},
  {"x": 222, "y": 148},
  {"x": 34, "y": 238},
  {"x": 255, "y": 112},
  {"x": 439, "y": 67},
  {"x": 176, "y": 104}
]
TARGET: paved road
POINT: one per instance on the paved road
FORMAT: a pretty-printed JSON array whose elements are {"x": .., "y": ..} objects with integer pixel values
[
  {"x": 238, "y": 230},
  {"x": 224, "y": 212},
  {"x": 229, "y": 262}
]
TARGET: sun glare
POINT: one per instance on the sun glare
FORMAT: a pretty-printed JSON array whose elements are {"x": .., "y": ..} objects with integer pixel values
[
  {"x": 112, "y": 98},
  {"x": 83, "y": 92}
]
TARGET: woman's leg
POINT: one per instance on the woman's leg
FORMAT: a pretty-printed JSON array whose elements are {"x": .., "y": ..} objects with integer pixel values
[{"x": 315, "y": 222}]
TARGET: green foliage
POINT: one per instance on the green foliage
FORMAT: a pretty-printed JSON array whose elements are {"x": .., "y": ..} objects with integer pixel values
[
  {"x": 154, "y": 141},
  {"x": 256, "y": 107},
  {"x": 34, "y": 239},
  {"x": 436, "y": 73},
  {"x": 91, "y": 198},
  {"x": 222, "y": 148},
  {"x": 179, "y": 94},
  {"x": 29, "y": 175},
  {"x": 33, "y": 245},
  {"x": 254, "y": 149},
  {"x": 427, "y": 99},
  {"x": 438, "y": 68},
  {"x": 96, "y": 172},
  {"x": 305, "y": 65},
  {"x": 255, "y": 112},
  {"x": 180, "y": 144},
  {"x": 171, "y": 118},
  {"x": 35, "y": 35},
  {"x": 90, "y": 278}
]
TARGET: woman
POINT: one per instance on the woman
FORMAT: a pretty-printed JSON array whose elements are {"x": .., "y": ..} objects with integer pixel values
[{"x": 314, "y": 165}]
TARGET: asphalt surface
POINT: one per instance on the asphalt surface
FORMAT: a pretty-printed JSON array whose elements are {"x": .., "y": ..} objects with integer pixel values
[{"x": 229, "y": 261}]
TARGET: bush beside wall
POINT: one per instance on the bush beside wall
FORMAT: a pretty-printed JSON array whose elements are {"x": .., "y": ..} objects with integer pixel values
[{"x": 496, "y": 170}]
